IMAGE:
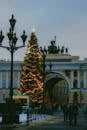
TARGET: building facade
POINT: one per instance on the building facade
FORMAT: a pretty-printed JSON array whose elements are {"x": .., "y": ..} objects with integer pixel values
[
  {"x": 65, "y": 77},
  {"x": 5, "y": 78}
]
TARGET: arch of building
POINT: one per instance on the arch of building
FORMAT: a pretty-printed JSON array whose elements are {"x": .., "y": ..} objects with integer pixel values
[
  {"x": 54, "y": 74},
  {"x": 52, "y": 78}
]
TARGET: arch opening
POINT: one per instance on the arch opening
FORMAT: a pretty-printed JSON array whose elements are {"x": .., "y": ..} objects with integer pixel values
[{"x": 56, "y": 89}]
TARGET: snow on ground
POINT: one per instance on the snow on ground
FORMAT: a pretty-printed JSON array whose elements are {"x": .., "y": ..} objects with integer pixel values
[{"x": 32, "y": 118}]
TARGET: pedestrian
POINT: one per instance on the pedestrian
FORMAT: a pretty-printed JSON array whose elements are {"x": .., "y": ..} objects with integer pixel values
[
  {"x": 65, "y": 112},
  {"x": 70, "y": 114},
  {"x": 75, "y": 113}
]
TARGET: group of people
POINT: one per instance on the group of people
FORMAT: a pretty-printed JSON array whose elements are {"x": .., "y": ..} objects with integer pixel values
[{"x": 70, "y": 113}]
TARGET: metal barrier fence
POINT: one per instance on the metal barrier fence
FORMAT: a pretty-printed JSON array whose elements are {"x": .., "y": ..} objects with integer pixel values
[{"x": 23, "y": 118}]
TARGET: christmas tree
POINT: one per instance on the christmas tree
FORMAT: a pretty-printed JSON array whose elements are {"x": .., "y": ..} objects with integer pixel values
[{"x": 31, "y": 81}]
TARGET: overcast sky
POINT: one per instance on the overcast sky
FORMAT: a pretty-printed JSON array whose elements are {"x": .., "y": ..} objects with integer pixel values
[{"x": 65, "y": 19}]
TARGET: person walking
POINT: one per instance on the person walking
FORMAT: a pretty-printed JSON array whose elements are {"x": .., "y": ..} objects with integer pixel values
[
  {"x": 65, "y": 112},
  {"x": 75, "y": 113},
  {"x": 70, "y": 114}
]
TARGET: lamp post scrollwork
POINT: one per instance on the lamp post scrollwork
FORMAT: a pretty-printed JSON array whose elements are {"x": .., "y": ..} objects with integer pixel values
[{"x": 12, "y": 47}]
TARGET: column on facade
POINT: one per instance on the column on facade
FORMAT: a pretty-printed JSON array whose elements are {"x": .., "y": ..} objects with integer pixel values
[
  {"x": 18, "y": 85},
  {"x": 78, "y": 78},
  {"x": 72, "y": 78},
  {"x": 7, "y": 85},
  {"x": 84, "y": 79},
  {"x": 0, "y": 79}
]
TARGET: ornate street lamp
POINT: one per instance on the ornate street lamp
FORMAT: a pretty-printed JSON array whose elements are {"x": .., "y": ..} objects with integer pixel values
[{"x": 12, "y": 47}]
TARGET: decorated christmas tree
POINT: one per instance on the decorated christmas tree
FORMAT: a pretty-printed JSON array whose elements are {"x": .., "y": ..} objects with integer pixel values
[{"x": 31, "y": 81}]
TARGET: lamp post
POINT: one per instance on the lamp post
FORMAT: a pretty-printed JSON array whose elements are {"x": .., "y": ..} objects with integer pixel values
[{"x": 12, "y": 47}]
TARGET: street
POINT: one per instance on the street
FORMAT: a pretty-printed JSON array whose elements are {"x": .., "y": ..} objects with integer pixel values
[{"x": 53, "y": 122}]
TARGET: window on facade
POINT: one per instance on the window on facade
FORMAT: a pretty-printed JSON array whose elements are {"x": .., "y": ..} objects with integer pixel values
[
  {"x": 81, "y": 84},
  {"x": 81, "y": 74},
  {"x": 75, "y": 73},
  {"x": 75, "y": 84},
  {"x": 67, "y": 72}
]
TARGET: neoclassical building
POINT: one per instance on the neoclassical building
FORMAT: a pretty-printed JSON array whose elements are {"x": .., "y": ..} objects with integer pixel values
[{"x": 65, "y": 78}]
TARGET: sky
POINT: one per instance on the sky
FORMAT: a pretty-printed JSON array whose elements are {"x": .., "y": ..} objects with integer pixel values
[{"x": 65, "y": 19}]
